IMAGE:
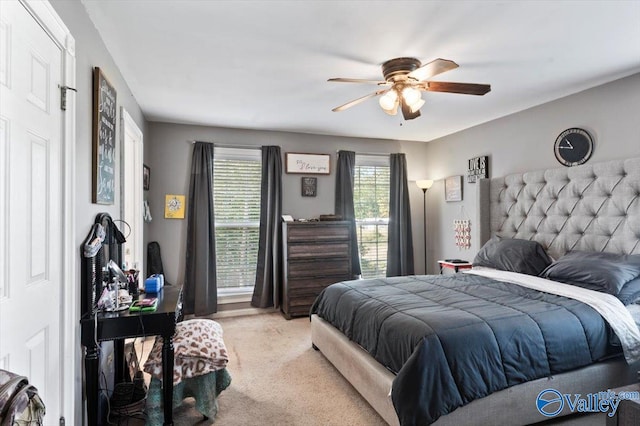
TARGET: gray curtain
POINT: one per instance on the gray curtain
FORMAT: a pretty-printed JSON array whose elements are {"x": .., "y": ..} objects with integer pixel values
[
  {"x": 400, "y": 249},
  {"x": 200, "y": 287},
  {"x": 267, "y": 290},
  {"x": 345, "y": 177}
]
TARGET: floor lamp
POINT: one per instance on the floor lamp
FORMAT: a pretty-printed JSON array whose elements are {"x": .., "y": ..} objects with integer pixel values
[{"x": 424, "y": 185}]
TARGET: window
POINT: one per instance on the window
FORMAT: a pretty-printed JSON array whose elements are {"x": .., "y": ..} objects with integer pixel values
[
  {"x": 236, "y": 195},
  {"x": 371, "y": 204}
]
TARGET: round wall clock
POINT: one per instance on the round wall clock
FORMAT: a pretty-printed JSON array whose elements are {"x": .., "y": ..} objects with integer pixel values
[{"x": 573, "y": 147}]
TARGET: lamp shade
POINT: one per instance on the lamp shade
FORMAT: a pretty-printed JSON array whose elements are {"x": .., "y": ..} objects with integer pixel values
[
  {"x": 417, "y": 105},
  {"x": 389, "y": 102},
  {"x": 411, "y": 95},
  {"x": 424, "y": 184}
]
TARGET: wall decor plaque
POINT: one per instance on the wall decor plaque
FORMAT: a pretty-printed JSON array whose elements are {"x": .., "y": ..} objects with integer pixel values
[
  {"x": 309, "y": 164},
  {"x": 478, "y": 169},
  {"x": 453, "y": 188},
  {"x": 309, "y": 186}
]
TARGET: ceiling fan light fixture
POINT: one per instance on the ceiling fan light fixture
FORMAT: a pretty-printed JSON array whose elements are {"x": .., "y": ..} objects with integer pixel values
[
  {"x": 417, "y": 105},
  {"x": 389, "y": 100},
  {"x": 394, "y": 108},
  {"x": 405, "y": 79},
  {"x": 411, "y": 95}
]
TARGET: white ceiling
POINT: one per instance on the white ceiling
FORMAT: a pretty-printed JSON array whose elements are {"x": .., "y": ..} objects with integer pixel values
[{"x": 265, "y": 64}]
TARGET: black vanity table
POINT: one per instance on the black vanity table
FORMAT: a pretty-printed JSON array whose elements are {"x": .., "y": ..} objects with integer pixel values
[
  {"x": 118, "y": 326},
  {"x": 104, "y": 244}
]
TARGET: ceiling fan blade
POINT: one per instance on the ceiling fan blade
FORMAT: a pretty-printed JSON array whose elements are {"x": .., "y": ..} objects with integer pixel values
[
  {"x": 357, "y": 101},
  {"x": 406, "y": 112},
  {"x": 435, "y": 67},
  {"x": 462, "y": 88},
  {"x": 359, "y": 80}
]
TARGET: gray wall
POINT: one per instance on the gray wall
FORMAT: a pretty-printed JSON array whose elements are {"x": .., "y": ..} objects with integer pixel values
[
  {"x": 524, "y": 141},
  {"x": 168, "y": 153},
  {"x": 90, "y": 52}
]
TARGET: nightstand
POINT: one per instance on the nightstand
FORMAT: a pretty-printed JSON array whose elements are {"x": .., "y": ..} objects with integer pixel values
[
  {"x": 456, "y": 266},
  {"x": 628, "y": 413}
]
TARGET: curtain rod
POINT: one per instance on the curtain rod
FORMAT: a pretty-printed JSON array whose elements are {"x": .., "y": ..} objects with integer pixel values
[
  {"x": 220, "y": 145},
  {"x": 379, "y": 154}
]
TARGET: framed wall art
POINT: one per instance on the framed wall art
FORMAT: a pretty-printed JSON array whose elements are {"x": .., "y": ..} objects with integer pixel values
[
  {"x": 104, "y": 139},
  {"x": 309, "y": 186},
  {"x": 146, "y": 177},
  {"x": 453, "y": 188},
  {"x": 174, "y": 206},
  {"x": 309, "y": 164},
  {"x": 478, "y": 169}
]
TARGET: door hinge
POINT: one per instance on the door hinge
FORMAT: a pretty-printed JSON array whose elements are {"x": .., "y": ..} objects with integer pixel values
[
  {"x": 63, "y": 96},
  {"x": 62, "y": 422}
]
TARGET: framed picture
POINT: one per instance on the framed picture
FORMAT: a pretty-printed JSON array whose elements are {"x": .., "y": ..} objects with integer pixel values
[
  {"x": 174, "y": 206},
  {"x": 453, "y": 188},
  {"x": 308, "y": 164},
  {"x": 104, "y": 140},
  {"x": 478, "y": 169},
  {"x": 309, "y": 186},
  {"x": 146, "y": 176}
]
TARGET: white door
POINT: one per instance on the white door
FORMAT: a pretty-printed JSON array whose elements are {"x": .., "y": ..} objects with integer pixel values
[
  {"x": 133, "y": 195},
  {"x": 32, "y": 204}
]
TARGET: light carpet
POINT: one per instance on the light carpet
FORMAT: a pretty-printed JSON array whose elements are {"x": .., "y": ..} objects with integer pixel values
[{"x": 279, "y": 379}]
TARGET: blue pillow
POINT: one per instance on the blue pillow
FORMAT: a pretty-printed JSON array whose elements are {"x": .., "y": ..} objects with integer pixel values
[
  {"x": 605, "y": 272},
  {"x": 512, "y": 254}
]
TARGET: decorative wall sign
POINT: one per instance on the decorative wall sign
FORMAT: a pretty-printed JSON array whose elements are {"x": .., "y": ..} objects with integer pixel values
[
  {"x": 453, "y": 188},
  {"x": 174, "y": 206},
  {"x": 104, "y": 139},
  {"x": 309, "y": 164},
  {"x": 478, "y": 169},
  {"x": 309, "y": 186}
]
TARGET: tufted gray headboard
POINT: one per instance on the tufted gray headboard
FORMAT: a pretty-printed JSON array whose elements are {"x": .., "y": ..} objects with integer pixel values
[{"x": 593, "y": 207}]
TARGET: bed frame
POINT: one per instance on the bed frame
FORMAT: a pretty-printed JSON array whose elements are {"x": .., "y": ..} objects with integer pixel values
[{"x": 592, "y": 207}]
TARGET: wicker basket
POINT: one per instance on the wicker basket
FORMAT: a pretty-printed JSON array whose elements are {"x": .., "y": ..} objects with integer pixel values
[{"x": 129, "y": 398}]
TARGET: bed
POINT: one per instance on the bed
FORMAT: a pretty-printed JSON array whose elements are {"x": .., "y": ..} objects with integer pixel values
[{"x": 573, "y": 214}]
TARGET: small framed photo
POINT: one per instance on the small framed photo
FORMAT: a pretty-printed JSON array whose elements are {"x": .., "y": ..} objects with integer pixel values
[
  {"x": 453, "y": 188},
  {"x": 309, "y": 186},
  {"x": 146, "y": 176}
]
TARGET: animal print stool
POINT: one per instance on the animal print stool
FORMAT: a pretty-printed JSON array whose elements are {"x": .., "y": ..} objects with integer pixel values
[{"x": 200, "y": 358}]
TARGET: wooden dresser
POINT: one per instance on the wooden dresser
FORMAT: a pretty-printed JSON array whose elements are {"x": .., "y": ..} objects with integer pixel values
[{"x": 316, "y": 254}]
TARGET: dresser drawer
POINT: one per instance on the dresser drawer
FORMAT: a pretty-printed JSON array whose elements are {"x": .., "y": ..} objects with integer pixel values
[
  {"x": 317, "y": 233},
  {"x": 298, "y": 311},
  {"x": 300, "y": 285},
  {"x": 318, "y": 250},
  {"x": 324, "y": 268}
]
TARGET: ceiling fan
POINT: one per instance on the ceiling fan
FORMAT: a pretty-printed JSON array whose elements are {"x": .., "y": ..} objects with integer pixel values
[{"x": 405, "y": 79}]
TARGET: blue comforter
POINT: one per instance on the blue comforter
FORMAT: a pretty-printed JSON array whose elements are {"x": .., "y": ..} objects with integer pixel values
[{"x": 451, "y": 339}]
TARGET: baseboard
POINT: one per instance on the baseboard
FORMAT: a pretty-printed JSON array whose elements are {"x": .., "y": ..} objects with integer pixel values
[{"x": 242, "y": 312}]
